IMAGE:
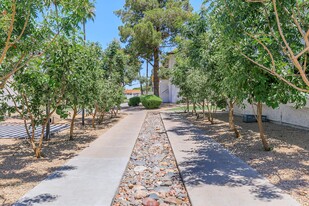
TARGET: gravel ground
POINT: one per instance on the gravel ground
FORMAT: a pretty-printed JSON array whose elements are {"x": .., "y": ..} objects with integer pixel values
[
  {"x": 286, "y": 166},
  {"x": 152, "y": 177},
  {"x": 20, "y": 171}
]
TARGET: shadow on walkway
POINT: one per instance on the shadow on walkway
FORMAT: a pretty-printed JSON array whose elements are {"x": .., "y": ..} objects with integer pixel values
[{"x": 205, "y": 163}]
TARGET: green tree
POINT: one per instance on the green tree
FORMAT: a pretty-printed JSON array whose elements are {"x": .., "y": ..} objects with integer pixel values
[
  {"x": 151, "y": 25},
  {"x": 226, "y": 73},
  {"x": 274, "y": 35},
  {"x": 44, "y": 80},
  {"x": 24, "y": 36}
]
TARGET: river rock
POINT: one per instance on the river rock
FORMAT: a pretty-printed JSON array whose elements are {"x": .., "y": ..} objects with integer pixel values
[{"x": 139, "y": 168}]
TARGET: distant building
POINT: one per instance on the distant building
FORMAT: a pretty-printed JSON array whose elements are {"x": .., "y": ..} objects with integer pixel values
[
  {"x": 168, "y": 91},
  {"x": 132, "y": 93}
]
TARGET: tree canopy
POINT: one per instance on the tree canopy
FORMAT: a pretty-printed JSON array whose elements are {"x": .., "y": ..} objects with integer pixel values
[{"x": 152, "y": 25}]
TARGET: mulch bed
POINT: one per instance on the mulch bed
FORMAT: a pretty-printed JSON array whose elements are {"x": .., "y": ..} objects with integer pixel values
[{"x": 20, "y": 171}]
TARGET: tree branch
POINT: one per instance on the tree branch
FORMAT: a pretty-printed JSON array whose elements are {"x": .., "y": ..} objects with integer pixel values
[
  {"x": 24, "y": 28},
  {"x": 298, "y": 25},
  {"x": 280, "y": 29},
  {"x": 275, "y": 74},
  {"x": 302, "y": 52},
  {"x": 265, "y": 47},
  {"x": 7, "y": 43}
]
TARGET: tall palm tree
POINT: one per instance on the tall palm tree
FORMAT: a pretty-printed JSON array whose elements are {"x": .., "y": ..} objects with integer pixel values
[
  {"x": 49, "y": 3},
  {"x": 88, "y": 9}
]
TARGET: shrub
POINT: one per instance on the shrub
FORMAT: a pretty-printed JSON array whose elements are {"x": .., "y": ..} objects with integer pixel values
[
  {"x": 142, "y": 97},
  {"x": 151, "y": 101},
  {"x": 134, "y": 101}
]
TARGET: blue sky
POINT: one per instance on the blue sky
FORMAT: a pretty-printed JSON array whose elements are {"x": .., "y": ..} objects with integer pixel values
[{"x": 105, "y": 26}]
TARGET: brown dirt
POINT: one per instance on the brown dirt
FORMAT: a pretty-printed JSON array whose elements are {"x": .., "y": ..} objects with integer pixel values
[
  {"x": 286, "y": 166},
  {"x": 21, "y": 171}
]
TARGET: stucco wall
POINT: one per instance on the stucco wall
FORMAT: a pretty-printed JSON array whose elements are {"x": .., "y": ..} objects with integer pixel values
[
  {"x": 286, "y": 114},
  {"x": 164, "y": 90},
  {"x": 173, "y": 94},
  {"x": 168, "y": 91}
]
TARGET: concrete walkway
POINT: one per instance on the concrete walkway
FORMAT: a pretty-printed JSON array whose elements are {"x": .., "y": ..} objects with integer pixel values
[
  {"x": 212, "y": 175},
  {"x": 92, "y": 177}
]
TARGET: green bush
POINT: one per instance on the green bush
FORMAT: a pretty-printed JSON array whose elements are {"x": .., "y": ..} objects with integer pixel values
[
  {"x": 151, "y": 101},
  {"x": 142, "y": 97},
  {"x": 134, "y": 101}
]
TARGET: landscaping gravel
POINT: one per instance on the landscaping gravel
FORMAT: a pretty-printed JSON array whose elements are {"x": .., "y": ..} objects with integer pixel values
[{"x": 152, "y": 177}]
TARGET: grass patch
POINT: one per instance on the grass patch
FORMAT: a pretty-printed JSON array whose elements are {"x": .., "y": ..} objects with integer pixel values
[{"x": 198, "y": 108}]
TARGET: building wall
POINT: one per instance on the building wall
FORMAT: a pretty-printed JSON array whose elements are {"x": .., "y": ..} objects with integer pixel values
[
  {"x": 173, "y": 95},
  {"x": 168, "y": 91},
  {"x": 286, "y": 114}
]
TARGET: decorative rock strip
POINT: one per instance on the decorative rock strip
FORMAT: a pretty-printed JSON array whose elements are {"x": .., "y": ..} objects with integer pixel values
[{"x": 152, "y": 177}]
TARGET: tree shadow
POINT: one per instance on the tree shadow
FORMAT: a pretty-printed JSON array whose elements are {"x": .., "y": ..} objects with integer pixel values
[
  {"x": 209, "y": 163},
  {"x": 43, "y": 198},
  {"x": 18, "y": 165},
  {"x": 59, "y": 172},
  {"x": 272, "y": 130}
]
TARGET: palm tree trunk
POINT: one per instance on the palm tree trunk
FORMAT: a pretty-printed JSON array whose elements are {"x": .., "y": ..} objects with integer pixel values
[
  {"x": 84, "y": 30},
  {"x": 140, "y": 83},
  {"x": 155, "y": 72},
  {"x": 147, "y": 78},
  {"x": 83, "y": 108}
]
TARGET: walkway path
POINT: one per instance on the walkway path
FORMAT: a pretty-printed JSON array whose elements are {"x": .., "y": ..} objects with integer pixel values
[
  {"x": 92, "y": 177},
  {"x": 212, "y": 175}
]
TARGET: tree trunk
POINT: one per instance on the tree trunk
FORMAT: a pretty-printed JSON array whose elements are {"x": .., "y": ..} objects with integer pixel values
[
  {"x": 33, "y": 135},
  {"x": 116, "y": 111},
  {"x": 94, "y": 116},
  {"x": 72, "y": 122},
  {"x": 57, "y": 15},
  {"x": 210, "y": 117},
  {"x": 260, "y": 124},
  {"x": 140, "y": 83},
  {"x": 111, "y": 111},
  {"x": 26, "y": 127},
  {"x": 101, "y": 119},
  {"x": 155, "y": 71},
  {"x": 193, "y": 109},
  {"x": 231, "y": 119},
  {"x": 203, "y": 108},
  {"x": 83, "y": 108},
  {"x": 47, "y": 135},
  {"x": 188, "y": 105},
  {"x": 38, "y": 150},
  {"x": 84, "y": 30},
  {"x": 147, "y": 78}
]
